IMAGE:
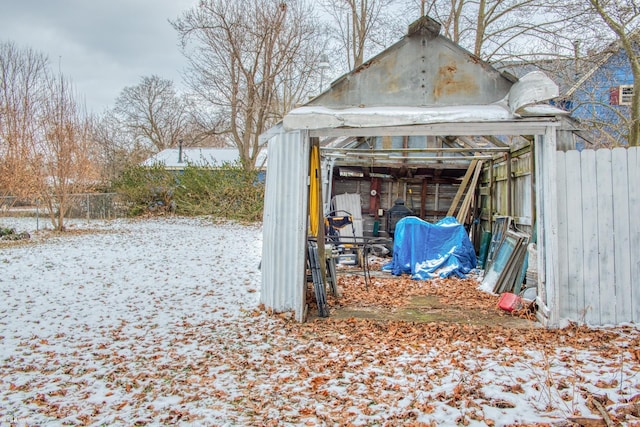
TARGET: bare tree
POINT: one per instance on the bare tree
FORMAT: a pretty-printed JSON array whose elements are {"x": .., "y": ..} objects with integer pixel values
[
  {"x": 362, "y": 27},
  {"x": 207, "y": 126},
  {"x": 116, "y": 148},
  {"x": 251, "y": 61},
  {"x": 152, "y": 112},
  {"x": 146, "y": 118},
  {"x": 622, "y": 18},
  {"x": 22, "y": 72},
  {"x": 65, "y": 150},
  {"x": 44, "y": 142},
  {"x": 499, "y": 30}
]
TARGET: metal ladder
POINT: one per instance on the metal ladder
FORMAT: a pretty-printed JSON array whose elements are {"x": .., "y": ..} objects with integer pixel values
[{"x": 318, "y": 283}]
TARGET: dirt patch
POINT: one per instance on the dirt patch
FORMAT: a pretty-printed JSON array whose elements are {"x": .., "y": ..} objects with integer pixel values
[
  {"x": 392, "y": 298},
  {"x": 428, "y": 309}
]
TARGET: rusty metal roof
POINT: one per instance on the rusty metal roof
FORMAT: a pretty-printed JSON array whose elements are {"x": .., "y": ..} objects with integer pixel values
[{"x": 423, "y": 69}]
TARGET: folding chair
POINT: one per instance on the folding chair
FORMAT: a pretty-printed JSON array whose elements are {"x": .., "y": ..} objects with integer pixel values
[{"x": 341, "y": 233}]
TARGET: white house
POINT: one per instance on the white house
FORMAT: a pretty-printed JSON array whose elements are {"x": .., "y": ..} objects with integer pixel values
[{"x": 179, "y": 158}]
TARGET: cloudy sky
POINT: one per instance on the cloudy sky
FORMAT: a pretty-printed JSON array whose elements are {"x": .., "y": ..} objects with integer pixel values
[{"x": 101, "y": 45}]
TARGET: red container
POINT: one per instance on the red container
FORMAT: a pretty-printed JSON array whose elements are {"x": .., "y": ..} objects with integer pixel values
[{"x": 509, "y": 302}]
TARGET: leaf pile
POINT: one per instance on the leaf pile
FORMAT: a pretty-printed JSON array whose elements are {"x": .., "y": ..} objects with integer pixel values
[
  {"x": 387, "y": 292},
  {"x": 159, "y": 324}
]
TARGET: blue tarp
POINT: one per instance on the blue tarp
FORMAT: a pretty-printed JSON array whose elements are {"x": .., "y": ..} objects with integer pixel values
[{"x": 427, "y": 250}]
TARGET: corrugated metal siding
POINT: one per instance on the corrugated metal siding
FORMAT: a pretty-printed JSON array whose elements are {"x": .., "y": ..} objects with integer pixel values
[{"x": 285, "y": 224}]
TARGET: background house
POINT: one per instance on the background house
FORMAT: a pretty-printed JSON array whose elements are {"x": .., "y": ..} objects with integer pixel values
[
  {"x": 601, "y": 97},
  {"x": 177, "y": 159},
  {"x": 596, "y": 89}
]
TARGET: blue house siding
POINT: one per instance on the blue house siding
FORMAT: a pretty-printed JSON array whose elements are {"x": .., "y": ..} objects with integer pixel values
[{"x": 591, "y": 102}]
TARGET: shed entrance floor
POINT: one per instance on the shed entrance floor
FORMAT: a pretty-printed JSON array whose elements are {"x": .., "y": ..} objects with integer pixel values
[{"x": 399, "y": 298}]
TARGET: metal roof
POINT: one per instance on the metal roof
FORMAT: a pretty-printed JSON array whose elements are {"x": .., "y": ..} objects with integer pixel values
[
  {"x": 423, "y": 69},
  {"x": 172, "y": 158}
]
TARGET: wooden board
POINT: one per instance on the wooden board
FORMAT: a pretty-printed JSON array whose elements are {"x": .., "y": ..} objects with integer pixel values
[
  {"x": 590, "y": 235},
  {"x": 462, "y": 188},
  {"x": 621, "y": 230},
  {"x": 565, "y": 300},
  {"x": 606, "y": 244},
  {"x": 575, "y": 238},
  {"x": 464, "y": 210}
]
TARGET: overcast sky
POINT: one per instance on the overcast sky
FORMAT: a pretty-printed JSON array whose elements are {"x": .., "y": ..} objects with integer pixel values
[{"x": 101, "y": 45}]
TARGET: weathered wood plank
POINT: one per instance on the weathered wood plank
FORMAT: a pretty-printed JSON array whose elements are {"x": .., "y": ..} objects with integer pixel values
[
  {"x": 551, "y": 223},
  {"x": 606, "y": 243},
  {"x": 543, "y": 299},
  {"x": 462, "y": 188},
  {"x": 464, "y": 209},
  {"x": 622, "y": 261},
  {"x": 633, "y": 162},
  {"x": 590, "y": 236},
  {"x": 563, "y": 241},
  {"x": 575, "y": 243}
]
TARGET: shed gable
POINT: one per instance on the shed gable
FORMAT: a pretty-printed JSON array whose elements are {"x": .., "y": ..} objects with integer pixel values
[{"x": 424, "y": 69}]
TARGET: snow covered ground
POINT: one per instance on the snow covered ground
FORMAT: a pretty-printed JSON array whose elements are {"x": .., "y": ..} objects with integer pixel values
[{"x": 154, "y": 322}]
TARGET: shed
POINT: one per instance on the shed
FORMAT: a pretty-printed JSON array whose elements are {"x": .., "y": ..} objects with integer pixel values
[{"x": 424, "y": 87}]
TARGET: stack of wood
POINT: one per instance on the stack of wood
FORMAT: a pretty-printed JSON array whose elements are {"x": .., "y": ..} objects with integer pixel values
[{"x": 468, "y": 185}]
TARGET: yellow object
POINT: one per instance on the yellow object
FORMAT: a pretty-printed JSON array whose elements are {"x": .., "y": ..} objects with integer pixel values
[{"x": 314, "y": 191}]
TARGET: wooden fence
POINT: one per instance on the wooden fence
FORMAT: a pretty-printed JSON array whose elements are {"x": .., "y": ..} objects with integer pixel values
[
  {"x": 511, "y": 190},
  {"x": 599, "y": 236}
]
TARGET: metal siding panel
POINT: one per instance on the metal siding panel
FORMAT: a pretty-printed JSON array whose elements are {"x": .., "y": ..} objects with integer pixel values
[
  {"x": 540, "y": 211},
  {"x": 352, "y": 204},
  {"x": 547, "y": 212},
  {"x": 285, "y": 224},
  {"x": 349, "y": 202},
  {"x": 633, "y": 162}
]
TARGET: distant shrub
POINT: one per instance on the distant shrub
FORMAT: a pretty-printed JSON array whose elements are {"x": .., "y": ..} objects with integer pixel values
[
  {"x": 228, "y": 192},
  {"x": 146, "y": 189}
]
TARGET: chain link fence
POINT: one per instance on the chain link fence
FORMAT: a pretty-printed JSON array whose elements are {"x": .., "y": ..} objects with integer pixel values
[{"x": 88, "y": 206}]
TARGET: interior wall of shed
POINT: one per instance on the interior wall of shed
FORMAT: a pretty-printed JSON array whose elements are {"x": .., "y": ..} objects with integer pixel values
[
  {"x": 505, "y": 188},
  {"x": 428, "y": 197}
]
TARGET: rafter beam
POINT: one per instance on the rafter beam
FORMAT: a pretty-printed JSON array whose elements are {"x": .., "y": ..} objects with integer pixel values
[{"x": 521, "y": 127}]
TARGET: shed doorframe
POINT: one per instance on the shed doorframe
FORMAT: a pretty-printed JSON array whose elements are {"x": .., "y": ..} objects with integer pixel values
[{"x": 284, "y": 290}]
